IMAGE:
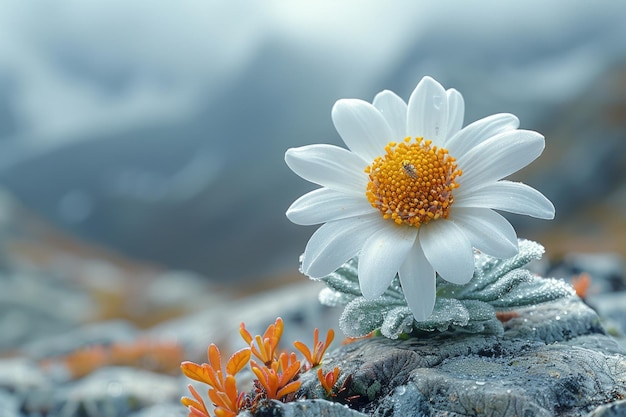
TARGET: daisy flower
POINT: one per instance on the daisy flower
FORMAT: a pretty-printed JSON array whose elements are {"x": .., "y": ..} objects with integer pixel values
[{"x": 415, "y": 192}]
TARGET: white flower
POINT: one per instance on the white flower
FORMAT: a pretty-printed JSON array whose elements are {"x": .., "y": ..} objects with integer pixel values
[{"x": 415, "y": 192}]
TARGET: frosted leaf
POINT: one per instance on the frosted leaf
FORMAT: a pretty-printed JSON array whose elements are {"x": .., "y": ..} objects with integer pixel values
[
  {"x": 479, "y": 310},
  {"x": 528, "y": 251},
  {"x": 536, "y": 291},
  {"x": 497, "y": 285},
  {"x": 488, "y": 270},
  {"x": 397, "y": 321},
  {"x": 332, "y": 298},
  {"x": 502, "y": 286},
  {"x": 360, "y": 317},
  {"x": 345, "y": 279},
  {"x": 448, "y": 312}
]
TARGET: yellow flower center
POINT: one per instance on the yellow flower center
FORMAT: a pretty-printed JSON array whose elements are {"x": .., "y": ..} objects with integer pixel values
[{"x": 412, "y": 183}]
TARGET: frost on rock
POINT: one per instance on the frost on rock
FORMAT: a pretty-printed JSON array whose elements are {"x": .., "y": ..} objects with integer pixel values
[{"x": 497, "y": 285}]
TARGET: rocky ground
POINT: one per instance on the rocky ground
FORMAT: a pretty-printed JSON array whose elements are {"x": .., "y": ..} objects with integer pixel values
[{"x": 85, "y": 332}]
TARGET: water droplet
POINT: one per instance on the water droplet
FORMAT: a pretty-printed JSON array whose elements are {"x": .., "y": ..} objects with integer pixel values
[
  {"x": 558, "y": 317},
  {"x": 481, "y": 383},
  {"x": 401, "y": 390}
]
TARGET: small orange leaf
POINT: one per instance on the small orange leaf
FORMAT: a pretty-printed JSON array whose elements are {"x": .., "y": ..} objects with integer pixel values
[
  {"x": 330, "y": 336},
  {"x": 230, "y": 389},
  {"x": 219, "y": 399},
  {"x": 188, "y": 402},
  {"x": 222, "y": 412},
  {"x": 304, "y": 349},
  {"x": 215, "y": 359},
  {"x": 194, "y": 412},
  {"x": 278, "y": 328},
  {"x": 288, "y": 389},
  {"x": 261, "y": 376},
  {"x": 196, "y": 372},
  {"x": 289, "y": 373},
  {"x": 245, "y": 334},
  {"x": 237, "y": 361},
  {"x": 197, "y": 404}
]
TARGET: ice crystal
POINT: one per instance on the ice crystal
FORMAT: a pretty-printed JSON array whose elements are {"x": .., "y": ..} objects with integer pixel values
[{"x": 497, "y": 285}]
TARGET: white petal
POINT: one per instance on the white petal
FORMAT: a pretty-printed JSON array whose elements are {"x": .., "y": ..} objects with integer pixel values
[
  {"x": 418, "y": 281},
  {"x": 336, "y": 242},
  {"x": 499, "y": 156},
  {"x": 323, "y": 205},
  {"x": 362, "y": 127},
  {"x": 393, "y": 109},
  {"x": 479, "y": 131},
  {"x": 448, "y": 250},
  {"x": 456, "y": 111},
  {"x": 381, "y": 257},
  {"x": 513, "y": 197},
  {"x": 488, "y": 231},
  {"x": 427, "y": 114},
  {"x": 329, "y": 166}
]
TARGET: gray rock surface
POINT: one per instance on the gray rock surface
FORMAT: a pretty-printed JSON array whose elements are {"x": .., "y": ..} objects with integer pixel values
[
  {"x": 553, "y": 360},
  {"x": 612, "y": 308},
  {"x": 24, "y": 316},
  {"x": 312, "y": 408},
  {"x": 115, "y": 391},
  {"x": 9, "y": 406}
]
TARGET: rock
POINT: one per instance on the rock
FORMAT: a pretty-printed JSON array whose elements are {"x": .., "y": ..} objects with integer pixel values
[
  {"x": 606, "y": 269},
  {"x": 25, "y": 318},
  {"x": 101, "y": 333},
  {"x": 554, "y": 322},
  {"x": 29, "y": 386},
  {"x": 219, "y": 321},
  {"x": 616, "y": 409},
  {"x": 309, "y": 408},
  {"x": 116, "y": 391},
  {"x": 162, "y": 410},
  {"x": 9, "y": 406},
  {"x": 553, "y": 359},
  {"x": 19, "y": 375},
  {"x": 612, "y": 308}
]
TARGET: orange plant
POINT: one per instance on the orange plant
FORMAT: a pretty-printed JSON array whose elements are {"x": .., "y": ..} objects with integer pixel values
[
  {"x": 329, "y": 380},
  {"x": 581, "y": 284},
  {"x": 223, "y": 387},
  {"x": 277, "y": 375},
  {"x": 319, "y": 348},
  {"x": 153, "y": 355},
  {"x": 267, "y": 345},
  {"x": 277, "y": 380}
]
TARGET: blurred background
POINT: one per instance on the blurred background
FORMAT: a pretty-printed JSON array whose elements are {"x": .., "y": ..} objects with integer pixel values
[
  {"x": 143, "y": 186},
  {"x": 158, "y": 129}
]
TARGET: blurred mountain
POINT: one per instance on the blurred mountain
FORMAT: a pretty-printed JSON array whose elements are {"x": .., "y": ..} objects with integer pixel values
[{"x": 207, "y": 190}]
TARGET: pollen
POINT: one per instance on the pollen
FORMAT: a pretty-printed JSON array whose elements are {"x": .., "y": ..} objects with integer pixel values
[{"x": 412, "y": 182}]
